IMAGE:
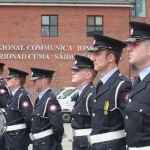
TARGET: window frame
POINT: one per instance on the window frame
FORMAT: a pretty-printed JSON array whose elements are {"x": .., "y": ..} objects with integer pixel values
[
  {"x": 94, "y": 24},
  {"x": 49, "y": 25},
  {"x": 135, "y": 16}
]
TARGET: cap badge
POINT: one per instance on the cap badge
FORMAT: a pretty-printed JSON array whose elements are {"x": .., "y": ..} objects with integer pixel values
[{"x": 131, "y": 31}]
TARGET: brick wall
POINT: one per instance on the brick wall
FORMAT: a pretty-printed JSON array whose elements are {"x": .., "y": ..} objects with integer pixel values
[{"x": 22, "y": 26}]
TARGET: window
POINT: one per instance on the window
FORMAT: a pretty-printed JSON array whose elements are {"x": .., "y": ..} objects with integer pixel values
[
  {"x": 94, "y": 25},
  {"x": 49, "y": 26},
  {"x": 139, "y": 9},
  {"x": 134, "y": 68}
]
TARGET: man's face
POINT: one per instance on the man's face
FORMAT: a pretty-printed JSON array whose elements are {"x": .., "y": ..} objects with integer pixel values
[
  {"x": 100, "y": 60},
  {"x": 138, "y": 53},
  {"x": 12, "y": 83},
  {"x": 78, "y": 76},
  {"x": 37, "y": 84}
]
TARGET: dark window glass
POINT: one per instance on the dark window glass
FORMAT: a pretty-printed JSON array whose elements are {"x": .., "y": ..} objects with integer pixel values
[
  {"x": 53, "y": 31},
  {"x": 139, "y": 9},
  {"x": 45, "y": 30},
  {"x": 134, "y": 68},
  {"x": 49, "y": 26},
  {"x": 94, "y": 25},
  {"x": 53, "y": 20}
]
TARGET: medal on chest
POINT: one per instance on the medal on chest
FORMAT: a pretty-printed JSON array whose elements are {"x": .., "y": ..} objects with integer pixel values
[{"x": 106, "y": 106}]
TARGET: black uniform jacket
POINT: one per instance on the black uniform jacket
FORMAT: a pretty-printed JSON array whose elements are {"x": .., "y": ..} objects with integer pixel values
[
  {"x": 5, "y": 94},
  {"x": 114, "y": 120},
  {"x": 19, "y": 111},
  {"x": 81, "y": 116},
  {"x": 137, "y": 115},
  {"x": 47, "y": 115}
]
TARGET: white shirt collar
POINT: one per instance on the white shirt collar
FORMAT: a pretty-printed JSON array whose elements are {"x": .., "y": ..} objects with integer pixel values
[
  {"x": 43, "y": 92},
  {"x": 108, "y": 75},
  {"x": 144, "y": 72},
  {"x": 14, "y": 91},
  {"x": 82, "y": 88}
]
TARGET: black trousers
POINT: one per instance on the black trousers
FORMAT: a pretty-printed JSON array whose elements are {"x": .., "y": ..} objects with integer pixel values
[{"x": 2, "y": 143}]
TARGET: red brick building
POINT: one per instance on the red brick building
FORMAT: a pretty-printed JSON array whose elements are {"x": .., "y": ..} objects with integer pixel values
[{"x": 47, "y": 34}]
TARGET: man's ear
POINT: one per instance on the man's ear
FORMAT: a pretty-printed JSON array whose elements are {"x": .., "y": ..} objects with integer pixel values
[
  {"x": 110, "y": 57},
  {"x": 88, "y": 75},
  {"x": 17, "y": 81},
  {"x": 44, "y": 81}
]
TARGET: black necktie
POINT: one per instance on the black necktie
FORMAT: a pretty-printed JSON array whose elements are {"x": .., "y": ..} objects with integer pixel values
[
  {"x": 136, "y": 82},
  {"x": 99, "y": 85},
  {"x": 77, "y": 96},
  {"x": 36, "y": 101}
]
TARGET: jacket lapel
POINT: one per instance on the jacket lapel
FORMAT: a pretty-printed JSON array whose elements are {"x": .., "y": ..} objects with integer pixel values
[
  {"x": 105, "y": 87},
  {"x": 141, "y": 85},
  {"x": 39, "y": 101},
  {"x": 83, "y": 92},
  {"x": 16, "y": 94}
]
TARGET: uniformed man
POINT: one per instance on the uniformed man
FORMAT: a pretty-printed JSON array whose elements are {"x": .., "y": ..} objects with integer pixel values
[
  {"x": 112, "y": 92},
  {"x": 5, "y": 94},
  {"x": 18, "y": 112},
  {"x": 47, "y": 124},
  {"x": 137, "y": 111},
  {"x": 83, "y": 75}
]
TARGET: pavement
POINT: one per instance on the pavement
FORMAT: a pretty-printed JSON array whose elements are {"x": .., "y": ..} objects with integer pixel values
[{"x": 65, "y": 143}]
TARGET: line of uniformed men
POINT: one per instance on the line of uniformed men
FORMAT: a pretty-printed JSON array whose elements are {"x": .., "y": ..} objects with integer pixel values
[
  {"x": 107, "y": 117},
  {"x": 114, "y": 115},
  {"x": 43, "y": 122}
]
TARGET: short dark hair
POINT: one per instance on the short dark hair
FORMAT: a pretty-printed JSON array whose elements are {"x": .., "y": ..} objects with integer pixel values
[
  {"x": 116, "y": 54},
  {"x": 94, "y": 73},
  {"x": 49, "y": 80},
  {"x": 22, "y": 80}
]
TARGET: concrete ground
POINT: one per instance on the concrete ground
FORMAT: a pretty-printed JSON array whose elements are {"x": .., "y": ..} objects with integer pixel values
[{"x": 65, "y": 143}]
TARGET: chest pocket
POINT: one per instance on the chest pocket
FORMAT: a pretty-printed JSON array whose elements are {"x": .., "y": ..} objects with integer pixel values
[
  {"x": 79, "y": 115},
  {"x": 80, "y": 111},
  {"x": 141, "y": 115},
  {"x": 13, "y": 111},
  {"x": 36, "y": 115},
  {"x": 105, "y": 115}
]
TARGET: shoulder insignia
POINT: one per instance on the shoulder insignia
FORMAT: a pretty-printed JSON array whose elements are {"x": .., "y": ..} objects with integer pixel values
[
  {"x": 126, "y": 97},
  {"x": 53, "y": 108},
  {"x": 2, "y": 91},
  {"x": 25, "y": 104}
]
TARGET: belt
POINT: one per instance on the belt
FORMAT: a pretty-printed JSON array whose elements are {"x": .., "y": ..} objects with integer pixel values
[
  {"x": 81, "y": 132},
  {"x": 106, "y": 136},
  {"x": 40, "y": 134},
  {"x": 16, "y": 127},
  {"x": 139, "y": 148},
  {"x": 3, "y": 110}
]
